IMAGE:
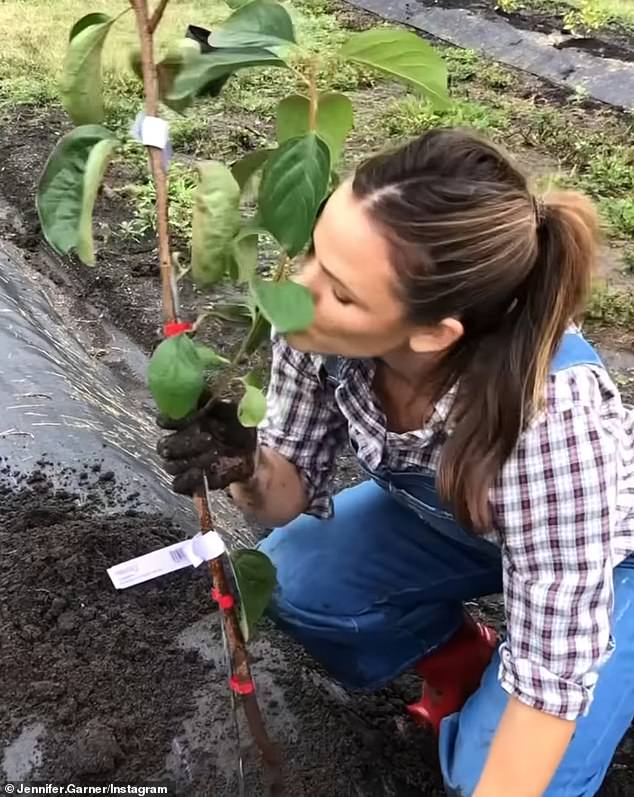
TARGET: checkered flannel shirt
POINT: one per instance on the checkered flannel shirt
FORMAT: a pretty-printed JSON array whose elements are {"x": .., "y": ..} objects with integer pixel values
[{"x": 563, "y": 506}]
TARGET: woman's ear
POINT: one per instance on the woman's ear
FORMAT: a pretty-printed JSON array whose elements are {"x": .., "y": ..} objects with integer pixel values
[{"x": 436, "y": 338}]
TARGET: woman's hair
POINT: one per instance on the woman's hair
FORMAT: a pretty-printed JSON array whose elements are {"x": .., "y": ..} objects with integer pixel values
[{"x": 470, "y": 241}]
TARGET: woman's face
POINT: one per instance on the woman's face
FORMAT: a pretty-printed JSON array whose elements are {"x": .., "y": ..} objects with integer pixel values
[{"x": 357, "y": 310}]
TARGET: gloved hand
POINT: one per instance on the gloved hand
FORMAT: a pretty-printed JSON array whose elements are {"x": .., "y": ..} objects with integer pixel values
[{"x": 211, "y": 441}]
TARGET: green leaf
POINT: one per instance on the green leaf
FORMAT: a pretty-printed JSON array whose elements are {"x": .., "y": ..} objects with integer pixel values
[
  {"x": 244, "y": 169},
  {"x": 252, "y": 406},
  {"x": 245, "y": 251},
  {"x": 80, "y": 88},
  {"x": 335, "y": 119},
  {"x": 208, "y": 357},
  {"x": 235, "y": 313},
  {"x": 216, "y": 221},
  {"x": 237, "y": 3},
  {"x": 259, "y": 334},
  {"x": 256, "y": 579},
  {"x": 260, "y": 23},
  {"x": 96, "y": 18},
  {"x": 294, "y": 184},
  {"x": 201, "y": 69},
  {"x": 176, "y": 376},
  {"x": 253, "y": 380},
  {"x": 287, "y": 306},
  {"x": 403, "y": 55},
  {"x": 96, "y": 166},
  {"x": 68, "y": 188}
]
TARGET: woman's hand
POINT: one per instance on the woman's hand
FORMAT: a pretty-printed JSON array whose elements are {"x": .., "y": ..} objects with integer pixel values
[
  {"x": 211, "y": 442},
  {"x": 526, "y": 751}
]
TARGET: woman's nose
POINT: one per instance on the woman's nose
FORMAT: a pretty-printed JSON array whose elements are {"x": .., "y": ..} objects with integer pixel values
[{"x": 308, "y": 276}]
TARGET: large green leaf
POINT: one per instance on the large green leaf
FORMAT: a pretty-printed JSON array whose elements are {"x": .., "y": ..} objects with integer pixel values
[
  {"x": 68, "y": 188},
  {"x": 245, "y": 168},
  {"x": 252, "y": 406},
  {"x": 201, "y": 69},
  {"x": 216, "y": 221},
  {"x": 294, "y": 184},
  {"x": 335, "y": 118},
  {"x": 237, "y": 3},
  {"x": 260, "y": 23},
  {"x": 287, "y": 306},
  {"x": 176, "y": 376},
  {"x": 256, "y": 579},
  {"x": 80, "y": 87},
  {"x": 403, "y": 55}
]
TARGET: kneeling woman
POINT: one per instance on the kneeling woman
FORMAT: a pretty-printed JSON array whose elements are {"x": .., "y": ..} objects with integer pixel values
[{"x": 499, "y": 455}]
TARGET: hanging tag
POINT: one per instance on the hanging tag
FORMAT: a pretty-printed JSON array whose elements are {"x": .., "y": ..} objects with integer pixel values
[{"x": 192, "y": 552}]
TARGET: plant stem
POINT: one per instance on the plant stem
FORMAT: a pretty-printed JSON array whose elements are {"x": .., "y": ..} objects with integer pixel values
[
  {"x": 237, "y": 647},
  {"x": 150, "y": 85},
  {"x": 157, "y": 15},
  {"x": 247, "y": 343},
  {"x": 313, "y": 98}
]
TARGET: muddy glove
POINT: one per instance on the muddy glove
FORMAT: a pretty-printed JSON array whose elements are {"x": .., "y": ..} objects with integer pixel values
[{"x": 211, "y": 441}]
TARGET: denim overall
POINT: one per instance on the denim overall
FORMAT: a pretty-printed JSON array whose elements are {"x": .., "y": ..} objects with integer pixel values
[{"x": 373, "y": 589}]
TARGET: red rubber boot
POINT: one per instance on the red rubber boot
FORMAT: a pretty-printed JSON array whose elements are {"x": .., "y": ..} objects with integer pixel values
[{"x": 453, "y": 672}]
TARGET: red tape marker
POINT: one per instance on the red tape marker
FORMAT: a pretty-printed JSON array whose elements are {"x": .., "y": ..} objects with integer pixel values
[
  {"x": 224, "y": 601},
  {"x": 176, "y": 328},
  {"x": 241, "y": 687}
]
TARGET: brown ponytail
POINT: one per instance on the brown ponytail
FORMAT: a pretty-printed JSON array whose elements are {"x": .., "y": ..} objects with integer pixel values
[{"x": 470, "y": 241}]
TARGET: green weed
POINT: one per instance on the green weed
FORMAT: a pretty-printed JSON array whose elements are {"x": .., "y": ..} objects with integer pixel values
[
  {"x": 181, "y": 185},
  {"x": 611, "y": 306},
  {"x": 410, "y": 116}
]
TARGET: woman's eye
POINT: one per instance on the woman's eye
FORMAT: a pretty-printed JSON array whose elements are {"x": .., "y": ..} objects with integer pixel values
[{"x": 342, "y": 299}]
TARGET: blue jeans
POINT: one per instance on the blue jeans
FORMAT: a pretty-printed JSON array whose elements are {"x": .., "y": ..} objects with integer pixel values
[{"x": 373, "y": 589}]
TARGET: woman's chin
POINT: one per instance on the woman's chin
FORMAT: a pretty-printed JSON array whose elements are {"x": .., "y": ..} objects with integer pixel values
[{"x": 302, "y": 341}]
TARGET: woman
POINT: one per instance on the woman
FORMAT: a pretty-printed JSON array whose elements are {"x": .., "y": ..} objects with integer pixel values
[{"x": 500, "y": 459}]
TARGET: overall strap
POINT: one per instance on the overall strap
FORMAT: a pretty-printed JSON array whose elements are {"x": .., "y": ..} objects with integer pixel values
[
  {"x": 574, "y": 350},
  {"x": 332, "y": 366}
]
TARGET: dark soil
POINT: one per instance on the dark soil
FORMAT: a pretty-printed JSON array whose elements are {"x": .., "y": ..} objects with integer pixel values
[
  {"x": 103, "y": 670},
  {"x": 614, "y": 41},
  {"x": 98, "y": 666}
]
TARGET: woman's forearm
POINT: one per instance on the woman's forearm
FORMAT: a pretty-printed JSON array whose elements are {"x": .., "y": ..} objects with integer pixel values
[
  {"x": 275, "y": 494},
  {"x": 526, "y": 751}
]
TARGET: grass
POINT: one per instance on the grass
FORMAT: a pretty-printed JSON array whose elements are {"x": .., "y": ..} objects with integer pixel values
[
  {"x": 33, "y": 39},
  {"x": 586, "y": 14},
  {"x": 598, "y": 160}
]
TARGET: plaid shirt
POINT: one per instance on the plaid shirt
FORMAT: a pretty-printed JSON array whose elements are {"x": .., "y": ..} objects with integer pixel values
[{"x": 563, "y": 506}]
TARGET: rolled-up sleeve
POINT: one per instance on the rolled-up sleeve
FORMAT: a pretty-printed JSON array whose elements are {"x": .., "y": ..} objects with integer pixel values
[
  {"x": 556, "y": 507},
  {"x": 303, "y": 422}
]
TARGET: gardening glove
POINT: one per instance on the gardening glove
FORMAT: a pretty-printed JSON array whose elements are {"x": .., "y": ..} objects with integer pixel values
[{"x": 210, "y": 442}]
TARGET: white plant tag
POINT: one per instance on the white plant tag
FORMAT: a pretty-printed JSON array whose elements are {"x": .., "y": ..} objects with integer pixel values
[
  {"x": 190, "y": 552},
  {"x": 154, "y": 132}
]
